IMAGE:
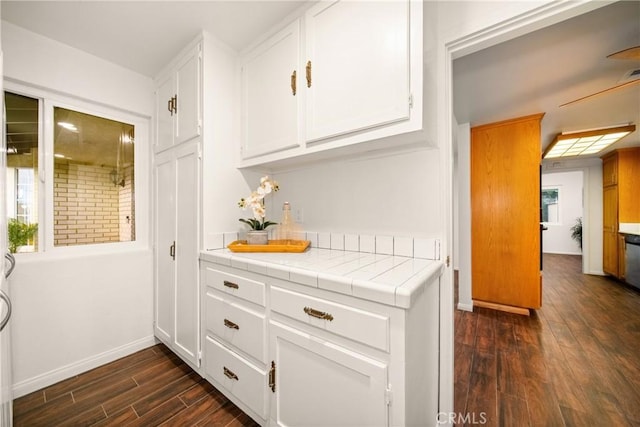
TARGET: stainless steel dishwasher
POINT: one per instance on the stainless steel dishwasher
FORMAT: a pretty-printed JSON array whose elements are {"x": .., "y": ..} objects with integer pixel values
[{"x": 632, "y": 260}]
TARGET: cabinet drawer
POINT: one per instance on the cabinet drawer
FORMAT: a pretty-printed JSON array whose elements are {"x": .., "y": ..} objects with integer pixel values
[
  {"x": 238, "y": 376},
  {"x": 238, "y": 286},
  {"x": 236, "y": 325},
  {"x": 353, "y": 323}
]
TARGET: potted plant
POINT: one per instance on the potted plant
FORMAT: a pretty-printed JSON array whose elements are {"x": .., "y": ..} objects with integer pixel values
[
  {"x": 258, "y": 234},
  {"x": 20, "y": 234},
  {"x": 576, "y": 231}
]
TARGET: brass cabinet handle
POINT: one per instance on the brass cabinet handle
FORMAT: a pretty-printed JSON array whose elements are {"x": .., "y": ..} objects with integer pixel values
[
  {"x": 230, "y": 285},
  {"x": 229, "y": 324},
  {"x": 293, "y": 82},
  {"x": 175, "y": 104},
  {"x": 272, "y": 376},
  {"x": 172, "y": 250},
  {"x": 308, "y": 73},
  {"x": 229, "y": 374},
  {"x": 318, "y": 314},
  {"x": 170, "y": 105}
]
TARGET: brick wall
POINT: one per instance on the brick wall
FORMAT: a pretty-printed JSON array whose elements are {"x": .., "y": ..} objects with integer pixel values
[
  {"x": 87, "y": 205},
  {"x": 127, "y": 207}
]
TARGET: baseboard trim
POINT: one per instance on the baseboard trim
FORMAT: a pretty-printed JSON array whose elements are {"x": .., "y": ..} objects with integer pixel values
[
  {"x": 48, "y": 378},
  {"x": 465, "y": 306}
]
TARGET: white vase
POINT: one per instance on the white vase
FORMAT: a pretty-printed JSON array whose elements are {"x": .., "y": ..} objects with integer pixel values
[{"x": 257, "y": 237}]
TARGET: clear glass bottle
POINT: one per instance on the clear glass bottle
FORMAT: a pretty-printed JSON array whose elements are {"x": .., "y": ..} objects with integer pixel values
[{"x": 286, "y": 225}]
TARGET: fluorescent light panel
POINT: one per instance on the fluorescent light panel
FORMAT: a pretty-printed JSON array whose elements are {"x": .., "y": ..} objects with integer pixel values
[{"x": 586, "y": 142}]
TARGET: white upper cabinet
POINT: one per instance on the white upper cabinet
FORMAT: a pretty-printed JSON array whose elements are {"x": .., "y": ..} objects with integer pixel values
[
  {"x": 178, "y": 105},
  {"x": 270, "y": 94},
  {"x": 358, "y": 75},
  {"x": 357, "y": 66}
]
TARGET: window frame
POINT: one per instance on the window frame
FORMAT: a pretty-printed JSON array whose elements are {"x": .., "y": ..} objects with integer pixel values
[
  {"x": 47, "y": 101},
  {"x": 559, "y": 191}
]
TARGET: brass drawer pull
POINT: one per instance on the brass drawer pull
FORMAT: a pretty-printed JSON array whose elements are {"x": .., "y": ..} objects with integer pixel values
[
  {"x": 231, "y": 285},
  {"x": 318, "y": 314},
  {"x": 308, "y": 70},
  {"x": 229, "y": 324},
  {"x": 293, "y": 82},
  {"x": 272, "y": 376},
  {"x": 229, "y": 374}
]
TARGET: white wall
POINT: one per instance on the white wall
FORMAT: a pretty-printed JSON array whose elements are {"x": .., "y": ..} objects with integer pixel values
[
  {"x": 75, "y": 312},
  {"x": 591, "y": 170},
  {"x": 557, "y": 238},
  {"x": 463, "y": 172},
  {"x": 394, "y": 194}
]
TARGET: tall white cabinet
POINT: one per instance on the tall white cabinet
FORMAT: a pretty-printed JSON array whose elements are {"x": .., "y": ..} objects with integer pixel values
[{"x": 177, "y": 207}]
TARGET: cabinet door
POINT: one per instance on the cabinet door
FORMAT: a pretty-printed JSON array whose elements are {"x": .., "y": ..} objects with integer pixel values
[
  {"x": 165, "y": 231},
  {"x": 505, "y": 212},
  {"x": 188, "y": 114},
  {"x": 610, "y": 170},
  {"x": 269, "y": 101},
  {"x": 610, "y": 231},
  {"x": 359, "y": 66},
  {"x": 164, "y": 114},
  {"x": 187, "y": 303},
  {"x": 320, "y": 383}
]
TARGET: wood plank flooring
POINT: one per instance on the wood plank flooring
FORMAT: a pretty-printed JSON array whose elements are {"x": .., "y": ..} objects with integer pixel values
[
  {"x": 152, "y": 387},
  {"x": 575, "y": 362}
]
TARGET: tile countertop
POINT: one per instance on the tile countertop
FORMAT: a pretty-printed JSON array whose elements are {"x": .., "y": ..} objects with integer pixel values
[
  {"x": 388, "y": 279},
  {"x": 629, "y": 228}
]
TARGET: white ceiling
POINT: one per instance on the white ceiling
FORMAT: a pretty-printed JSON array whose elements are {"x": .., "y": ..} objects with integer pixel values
[
  {"x": 531, "y": 74},
  {"x": 538, "y": 72},
  {"x": 145, "y": 35}
]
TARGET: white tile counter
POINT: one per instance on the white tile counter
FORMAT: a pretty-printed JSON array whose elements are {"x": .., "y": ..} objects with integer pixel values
[{"x": 388, "y": 279}]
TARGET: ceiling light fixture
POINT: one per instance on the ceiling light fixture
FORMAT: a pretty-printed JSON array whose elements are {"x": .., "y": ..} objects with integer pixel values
[{"x": 585, "y": 142}]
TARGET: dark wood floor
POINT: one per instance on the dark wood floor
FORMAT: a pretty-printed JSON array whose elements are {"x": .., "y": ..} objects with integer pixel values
[
  {"x": 149, "y": 388},
  {"x": 575, "y": 362}
]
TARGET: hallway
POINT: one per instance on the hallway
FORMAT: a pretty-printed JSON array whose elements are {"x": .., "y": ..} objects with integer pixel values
[{"x": 575, "y": 362}]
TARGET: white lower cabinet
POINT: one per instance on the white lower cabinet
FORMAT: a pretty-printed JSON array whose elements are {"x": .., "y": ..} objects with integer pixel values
[
  {"x": 292, "y": 355},
  {"x": 320, "y": 383}
]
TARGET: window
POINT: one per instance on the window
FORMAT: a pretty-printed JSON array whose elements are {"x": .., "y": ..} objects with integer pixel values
[
  {"x": 93, "y": 179},
  {"x": 71, "y": 182},
  {"x": 550, "y": 205},
  {"x": 22, "y": 124}
]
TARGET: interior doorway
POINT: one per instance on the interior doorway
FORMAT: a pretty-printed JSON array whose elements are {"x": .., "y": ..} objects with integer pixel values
[{"x": 562, "y": 207}]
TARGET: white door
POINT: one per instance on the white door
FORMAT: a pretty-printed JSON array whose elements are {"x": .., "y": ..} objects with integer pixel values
[
  {"x": 165, "y": 232},
  {"x": 319, "y": 383},
  {"x": 359, "y": 66},
  {"x": 187, "y": 114},
  {"x": 187, "y": 300},
  {"x": 271, "y": 89}
]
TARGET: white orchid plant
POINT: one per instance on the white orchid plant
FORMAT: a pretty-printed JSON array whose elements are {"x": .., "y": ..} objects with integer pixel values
[{"x": 255, "y": 201}]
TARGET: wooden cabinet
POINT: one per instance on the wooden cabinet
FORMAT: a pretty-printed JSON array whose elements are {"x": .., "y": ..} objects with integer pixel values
[
  {"x": 178, "y": 101},
  {"x": 176, "y": 229},
  {"x": 357, "y": 76},
  {"x": 505, "y": 214},
  {"x": 621, "y": 204},
  {"x": 291, "y": 355},
  {"x": 610, "y": 262},
  {"x": 270, "y": 94}
]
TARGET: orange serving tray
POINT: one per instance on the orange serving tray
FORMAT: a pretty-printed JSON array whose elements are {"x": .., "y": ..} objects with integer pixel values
[{"x": 272, "y": 246}]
